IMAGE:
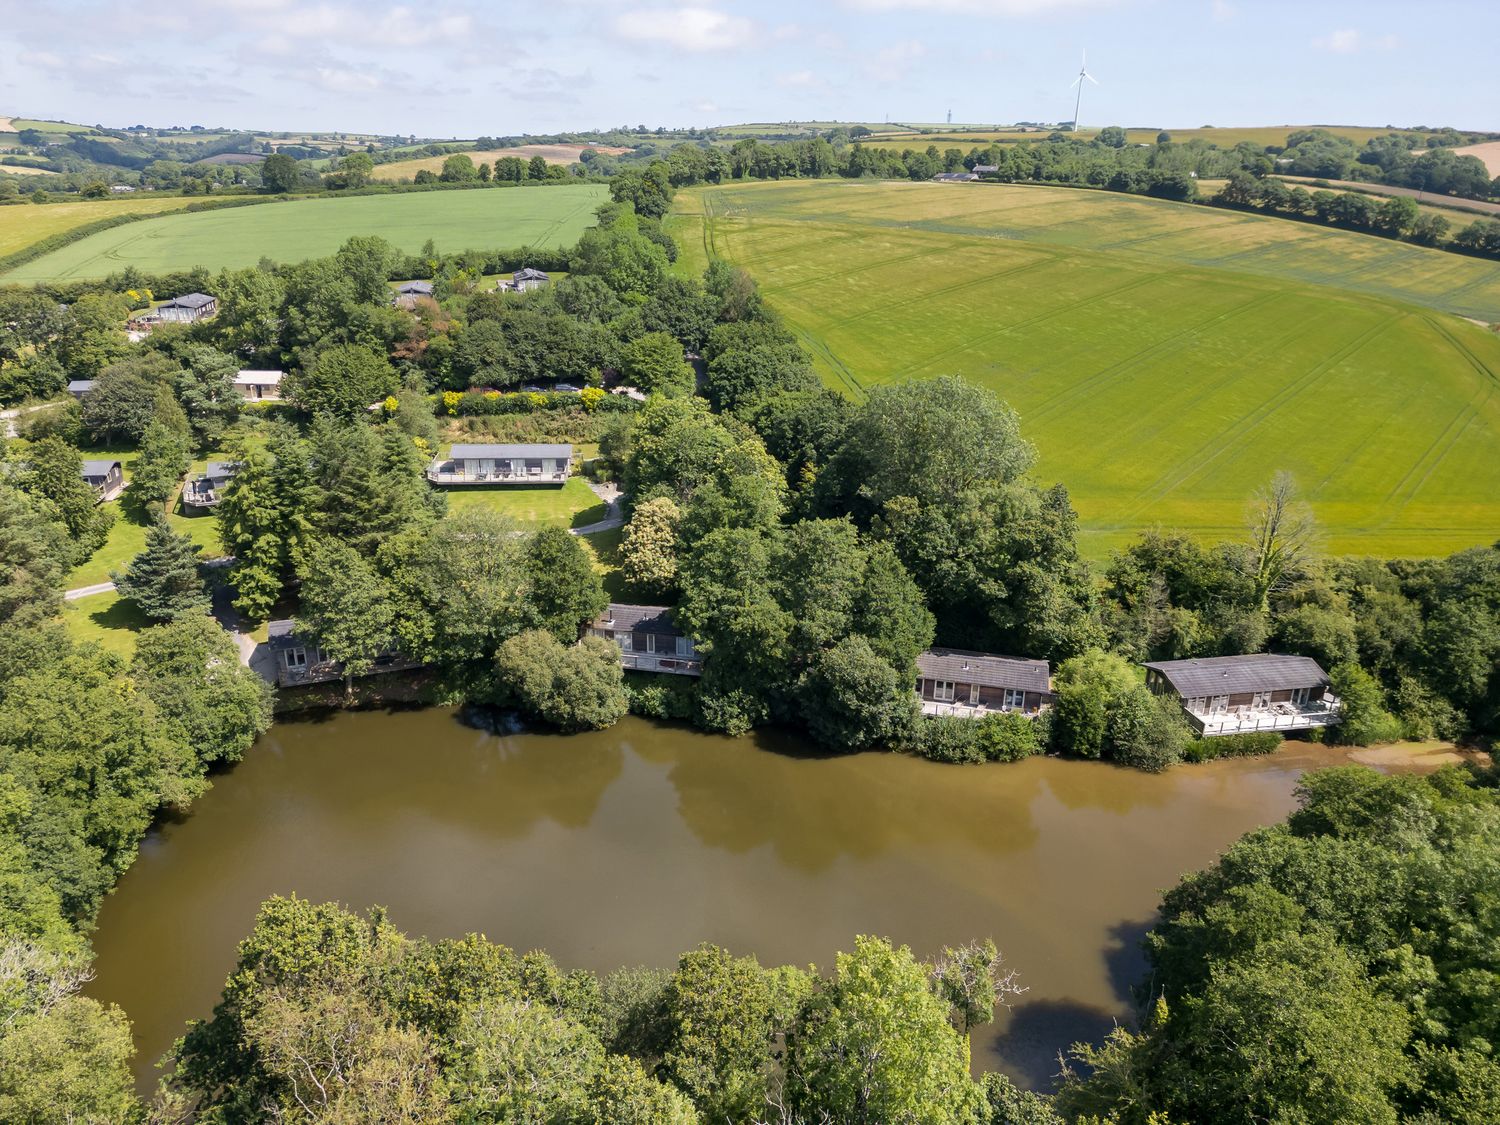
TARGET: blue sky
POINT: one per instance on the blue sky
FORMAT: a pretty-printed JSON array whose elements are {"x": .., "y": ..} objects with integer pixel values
[{"x": 468, "y": 67}]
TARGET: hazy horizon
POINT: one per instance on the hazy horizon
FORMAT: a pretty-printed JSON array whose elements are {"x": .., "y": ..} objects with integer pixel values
[{"x": 456, "y": 68}]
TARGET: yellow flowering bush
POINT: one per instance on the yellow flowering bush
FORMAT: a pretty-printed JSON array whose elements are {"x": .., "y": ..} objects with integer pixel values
[
  {"x": 450, "y": 401},
  {"x": 591, "y": 397}
]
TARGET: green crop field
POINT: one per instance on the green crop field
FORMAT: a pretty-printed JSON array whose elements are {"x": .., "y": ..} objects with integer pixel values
[
  {"x": 1166, "y": 359},
  {"x": 23, "y": 225},
  {"x": 488, "y": 218}
]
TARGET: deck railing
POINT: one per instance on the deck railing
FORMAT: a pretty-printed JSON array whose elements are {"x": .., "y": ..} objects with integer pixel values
[
  {"x": 662, "y": 662},
  {"x": 441, "y": 476},
  {"x": 935, "y": 708},
  {"x": 1251, "y": 721}
]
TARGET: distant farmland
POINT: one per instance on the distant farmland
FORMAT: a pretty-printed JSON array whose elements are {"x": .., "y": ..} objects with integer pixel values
[
  {"x": 22, "y": 226},
  {"x": 485, "y": 218},
  {"x": 1228, "y": 137},
  {"x": 552, "y": 154},
  {"x": 1166, "y": 359}
]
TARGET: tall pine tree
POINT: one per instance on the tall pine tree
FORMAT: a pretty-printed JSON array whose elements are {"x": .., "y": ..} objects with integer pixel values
[{"x": 163, "y": 580}]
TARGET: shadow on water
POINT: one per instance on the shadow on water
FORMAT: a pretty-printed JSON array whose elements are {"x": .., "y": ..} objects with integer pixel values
[
  {"x": 1037, "y": 1032},
  {"x": 1125, "y": 958}
]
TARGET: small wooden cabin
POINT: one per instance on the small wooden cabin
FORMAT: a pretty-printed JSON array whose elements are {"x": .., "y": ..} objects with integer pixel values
[
  {"x": 106, "y": 478},
  {"x": 649, "y": 639},
  {"x": 188, "y": 308},
  {"x": 953, "y": 681},
  {"x": 1259, "y": 691}
]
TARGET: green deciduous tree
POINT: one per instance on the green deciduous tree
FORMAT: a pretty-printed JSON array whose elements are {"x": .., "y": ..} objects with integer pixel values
[
  {"x": 876, "y": 1046},
  {"x": 579, "y": 687},
  {"x": 164, "y": 457},
  {"x": 211, "y": 702},
  {"x": 344, "y": 380},
  {"x": 346, "y": 606},
  {"x": 654, "y": 363},
  {"x": 648, "y": 548},
  {"x": 279, "y": 173},
  {"x": 563, "y": 591}
]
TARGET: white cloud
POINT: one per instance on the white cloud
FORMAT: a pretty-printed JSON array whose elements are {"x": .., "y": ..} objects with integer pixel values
[
  {"x": 687, "y": 29},
  {"x": 1349, "y": 41},
  {"x": 975, "y": 7},
  {"x": 344, "y": 80},
  {"x": 797, "y": 79},
  {"x": 1223, "y": 11},
  {"x": 895, "y": 62}
]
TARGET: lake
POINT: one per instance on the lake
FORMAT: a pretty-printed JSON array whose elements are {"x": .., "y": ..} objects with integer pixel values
[{"x": 630, "y": 845}]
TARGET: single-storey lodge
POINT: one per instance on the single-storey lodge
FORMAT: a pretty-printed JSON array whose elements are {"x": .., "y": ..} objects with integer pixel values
[
  {"x": 300, "y": 661},
  {"x": 188, "y": 308},
  {"x": 649, "y": 639},
  {"x": 206, "y": 490},
  {"x": 970, "y": 685},
  {"x": 80, "y": 387},
  {"x": 408, "y": 293},
  {"x": 503, "y": 464},
  {"x": 258, "y": 386},
  {"x": 1258, "y": 692},
  {"x": 106, "y": 478}
]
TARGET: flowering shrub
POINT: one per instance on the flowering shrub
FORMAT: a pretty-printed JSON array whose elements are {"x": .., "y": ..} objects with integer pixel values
[
  {"x": 591, "y": 397},
  {"x": 451, "y": 399},
  {"x": 391, "y": 405}
]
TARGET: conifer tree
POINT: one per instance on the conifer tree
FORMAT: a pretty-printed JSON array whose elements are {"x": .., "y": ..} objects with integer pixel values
[{"x": 163, "y": 580}]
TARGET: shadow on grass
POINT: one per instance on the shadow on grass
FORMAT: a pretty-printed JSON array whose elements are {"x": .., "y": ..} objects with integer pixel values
[{"x": 590, "y": 515}]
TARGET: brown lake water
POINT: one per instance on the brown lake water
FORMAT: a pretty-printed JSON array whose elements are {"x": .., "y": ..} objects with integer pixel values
[{"x": 630, "y": 845}]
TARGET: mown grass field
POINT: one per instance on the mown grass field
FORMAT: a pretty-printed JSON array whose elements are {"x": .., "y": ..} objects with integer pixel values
[
  {"x": 1166, "y": 359},
  {"x": 301, "y": 229},
  {"x": 25, "y": 224}
]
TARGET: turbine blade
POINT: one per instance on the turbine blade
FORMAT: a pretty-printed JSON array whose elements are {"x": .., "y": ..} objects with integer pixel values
[
  {"x": 1092, "y": 79},
  {"x": 1075, "y": 81}
]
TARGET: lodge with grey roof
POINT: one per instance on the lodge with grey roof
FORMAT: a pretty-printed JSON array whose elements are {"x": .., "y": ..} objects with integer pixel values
[
  {"x": 187, "y": 309},
  {"x": 1242, "y": 694},
  {"x": 502, "y": 464},
  {"x": 970, "y": 685},
  {"x": 204, "y": 491},
  {"x": 649, "y": 639},
  {"x": 106, "y": 478}
]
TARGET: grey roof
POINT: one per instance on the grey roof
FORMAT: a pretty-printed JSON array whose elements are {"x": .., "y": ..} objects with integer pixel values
[
  {"x": 509, "y": 452},
  {"x": 638, "y": 619},
  {"x": 423, "y": 288},
  {"x": 1235, "y": 675},
  {"x": 77, "y": 386},
  {"x": 221, "y": 469},
  {"x": 252, "y": 377},
  {"x": 189, "y": 301},
  {"x": 955, "y": 177},
  {"x": 963, "y": 667},
  {"x": 99, "y": 468},
  {"x": 282, "y": 633},
  {"x": 986, "y": 168},
  {"x": 529, "y": 274}
]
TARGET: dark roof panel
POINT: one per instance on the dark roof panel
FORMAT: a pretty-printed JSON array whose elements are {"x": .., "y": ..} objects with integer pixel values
[
  {"x": 622, "y": 618},
  {"x": 189, "y": 301},
  {"x": 461, "y": 452},
  {"x": 985, "y": 668},
  {"x": 99, "y": 468},
  {"x": 1235, "y": 675}
]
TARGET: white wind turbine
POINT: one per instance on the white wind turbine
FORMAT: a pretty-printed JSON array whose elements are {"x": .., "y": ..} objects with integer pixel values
[{"x": 1083, "y": 72}]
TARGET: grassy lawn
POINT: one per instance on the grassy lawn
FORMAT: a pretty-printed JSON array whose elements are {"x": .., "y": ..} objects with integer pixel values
[
  {"x": 1165, "y": 359},
  {"x": 106, "y": 618},
  {"x": 300, "y": 229},
  {"x": 23, "y": 226},
  {"x": 572, "y": 505}
]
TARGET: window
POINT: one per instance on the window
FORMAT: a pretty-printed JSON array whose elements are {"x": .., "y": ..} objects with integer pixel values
[
  {"x": 942, "y": 691},
  {"x": 1218, "y": 704},
  {"x": 974, "y": 695},
  {"x": 625, "y": 640},
  {"x": 1015, "y": 700},
  {"x": 651, "y": 642},
  {"x": 685, "y": 647},
  {"x": 1299, "y": 696},
  {"x": 296, "y": 658}
]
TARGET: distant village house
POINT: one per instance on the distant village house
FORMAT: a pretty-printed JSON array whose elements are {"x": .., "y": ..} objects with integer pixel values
[
  {"x": 410, "y": 292},
  {"x": 188, "y": 308},
  {"x": 526, "y": 279},
  {"x": 503, "y": 464},
  {"x": 649, "y": 639},
  {"x": 970, "y": 685},
  {"x": 259, "y": 386},
  {"x": 1235, "y": 694},
  {"x": 80, "y": 387}
]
